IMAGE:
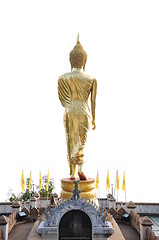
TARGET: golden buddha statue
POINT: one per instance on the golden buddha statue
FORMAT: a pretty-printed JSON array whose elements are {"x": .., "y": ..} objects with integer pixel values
[{"x": 74, "y": 89}]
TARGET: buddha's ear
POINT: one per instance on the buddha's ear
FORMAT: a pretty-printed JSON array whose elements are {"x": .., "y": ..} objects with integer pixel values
[{"x": 84, "y": 68}]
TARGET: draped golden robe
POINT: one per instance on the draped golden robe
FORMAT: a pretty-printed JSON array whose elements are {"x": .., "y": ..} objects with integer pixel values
[{"x": 74, "y": 89}]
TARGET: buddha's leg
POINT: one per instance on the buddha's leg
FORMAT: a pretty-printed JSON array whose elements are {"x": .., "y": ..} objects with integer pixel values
[
  {"x": 67, "y": 121},
  {"x": 80, "y": 166},
  {"x": 72, "y": 170},
  {"x": 80, "y": 172},
  {"x": 83, "y": 128},
  {"x": 80, "y": 160}
]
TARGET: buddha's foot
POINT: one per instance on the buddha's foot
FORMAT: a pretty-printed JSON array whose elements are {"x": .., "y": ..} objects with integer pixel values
[
  {"x": 82, "y": 176},
  {"x": 72, "y": 178}
]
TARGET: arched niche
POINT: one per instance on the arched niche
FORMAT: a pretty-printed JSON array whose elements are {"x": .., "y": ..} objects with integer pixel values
[{"x": 75, "y": 225}]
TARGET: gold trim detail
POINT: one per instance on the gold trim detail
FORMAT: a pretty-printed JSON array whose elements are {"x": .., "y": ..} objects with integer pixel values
[{"x": 87, "y": 188}]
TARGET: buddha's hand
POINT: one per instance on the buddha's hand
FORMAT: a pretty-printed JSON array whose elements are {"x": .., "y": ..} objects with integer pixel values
[{"x": 93, "y": 125}]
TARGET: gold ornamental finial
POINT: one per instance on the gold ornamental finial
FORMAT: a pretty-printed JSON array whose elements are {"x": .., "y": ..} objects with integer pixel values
[
  {"x": 78, "y": 56},
  {"x": 78, "y": 41}
]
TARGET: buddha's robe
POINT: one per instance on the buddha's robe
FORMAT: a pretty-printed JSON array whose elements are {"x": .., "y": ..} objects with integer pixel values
[{"x": 74, "y": 89}]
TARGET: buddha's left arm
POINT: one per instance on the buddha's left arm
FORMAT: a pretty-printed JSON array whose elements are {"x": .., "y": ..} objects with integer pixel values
[{"x": 93, "y": 101}]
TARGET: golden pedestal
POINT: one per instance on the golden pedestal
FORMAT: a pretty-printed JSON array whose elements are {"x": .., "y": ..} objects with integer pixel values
[{"x": 87, "y": 188}]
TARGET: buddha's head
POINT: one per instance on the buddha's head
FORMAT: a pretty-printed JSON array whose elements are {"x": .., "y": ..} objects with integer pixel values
[{"x": 78, "y": 56}]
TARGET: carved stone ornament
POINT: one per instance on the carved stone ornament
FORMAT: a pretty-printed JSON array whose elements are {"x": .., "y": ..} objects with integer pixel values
[
  {"x": 101, "y": 229},
  {"x": 54, "y": 215}
]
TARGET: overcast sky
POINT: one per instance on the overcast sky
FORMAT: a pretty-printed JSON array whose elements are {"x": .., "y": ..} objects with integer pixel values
[{"x": 122, "y": 42}]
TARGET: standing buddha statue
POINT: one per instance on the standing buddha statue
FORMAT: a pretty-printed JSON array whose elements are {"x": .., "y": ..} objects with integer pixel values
[{"x": 74, "y": 89}]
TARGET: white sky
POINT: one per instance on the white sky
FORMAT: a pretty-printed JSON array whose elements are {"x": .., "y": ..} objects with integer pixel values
[{"x": 122, "y": 42}]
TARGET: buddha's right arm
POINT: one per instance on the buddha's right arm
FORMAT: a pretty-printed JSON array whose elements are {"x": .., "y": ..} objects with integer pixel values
[
  {"x": 63, "y": 92},
  {"x": 93, "y": 101}
]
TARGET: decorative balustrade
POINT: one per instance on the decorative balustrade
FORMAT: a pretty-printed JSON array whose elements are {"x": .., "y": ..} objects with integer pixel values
[
  {"x": 135, "y": 219},
  {"x": 12, "y": 221},
  {"x": 151, "y": 235}
]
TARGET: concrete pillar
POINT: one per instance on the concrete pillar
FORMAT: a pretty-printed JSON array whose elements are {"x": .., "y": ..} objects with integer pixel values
[
  {"x": 37, "y": 196},
  {"x": 16, "y": 206},
  {"x": 130, "y": 206},
  {"x": 4, "y": 226},
  {"x": 111, "y": 202},
  {"x": 33, "y": 202},
  {"x": 145, "y": 223}
]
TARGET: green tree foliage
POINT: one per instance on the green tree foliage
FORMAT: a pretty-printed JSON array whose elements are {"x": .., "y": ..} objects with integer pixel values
[
  {"x": 27, "y": 194},
  {"x": 13, "y": 198},
  {"x": 23, "y": 195},
  {"x": 43, "y": 192}
]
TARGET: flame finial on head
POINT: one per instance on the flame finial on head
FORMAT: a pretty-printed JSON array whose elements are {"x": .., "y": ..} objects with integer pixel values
[{"x": 78, "y": 41}]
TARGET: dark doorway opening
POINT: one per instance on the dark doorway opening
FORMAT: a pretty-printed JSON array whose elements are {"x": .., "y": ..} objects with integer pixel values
[{"x": 75, "y": 225}]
